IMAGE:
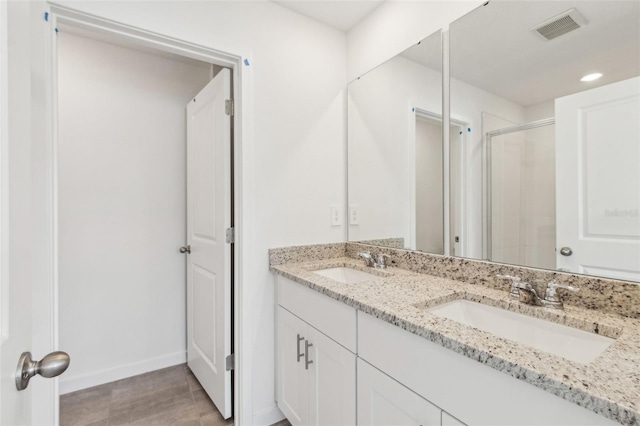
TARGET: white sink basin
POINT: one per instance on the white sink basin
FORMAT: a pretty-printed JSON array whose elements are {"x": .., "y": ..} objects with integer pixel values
[
  {"x": 347, "y": 275},
  {"x": 570, "y": 343}
]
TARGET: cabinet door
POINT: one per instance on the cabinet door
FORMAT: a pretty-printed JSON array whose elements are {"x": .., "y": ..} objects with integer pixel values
[
  {"x": 448, "y": 420},
  {"x": 332, "y": 382},
  {"x": 382, "y": 401},
  {"x": 293, "y": 380}
]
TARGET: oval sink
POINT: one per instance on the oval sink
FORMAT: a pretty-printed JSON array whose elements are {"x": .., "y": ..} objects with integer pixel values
[
  {"x": 567, "y": 342},
  {"x": 347, "y": 275}
]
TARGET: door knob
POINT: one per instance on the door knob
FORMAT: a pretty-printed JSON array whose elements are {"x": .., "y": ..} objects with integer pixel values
[
  {"x": 51, "y": 365},
  {"x": 566, "y": 251},
  {"x": 185, "y": 249}
]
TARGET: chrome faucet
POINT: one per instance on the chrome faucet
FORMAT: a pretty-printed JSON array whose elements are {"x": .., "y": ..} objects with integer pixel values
[
  {"x": 551, "y": 299},
  {"x": 377, "y": 262},
  {"x": 526, "y": 293}
]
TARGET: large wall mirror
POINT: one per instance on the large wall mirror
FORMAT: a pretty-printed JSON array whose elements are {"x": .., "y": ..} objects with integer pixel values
[
  {"x": 396, "y": 156},
  {"x": 541, "y": 166},
  {"x": 549, "y": 172}
]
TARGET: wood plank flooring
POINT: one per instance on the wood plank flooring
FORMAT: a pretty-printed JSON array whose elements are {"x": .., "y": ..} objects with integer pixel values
[{"x": 171, "y": 396}]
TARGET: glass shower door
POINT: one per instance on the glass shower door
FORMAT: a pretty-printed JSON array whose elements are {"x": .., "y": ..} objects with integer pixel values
[{"x": 521, "y": 195}]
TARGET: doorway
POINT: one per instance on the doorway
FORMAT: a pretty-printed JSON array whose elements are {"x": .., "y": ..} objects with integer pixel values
[
  {"x": 121, "y": 202},
  {"x": 429, "y": 161},
  {"x": 436, "y": 176}
]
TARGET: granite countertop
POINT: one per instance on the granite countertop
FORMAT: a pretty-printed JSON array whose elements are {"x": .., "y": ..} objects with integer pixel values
[{"x": 609, "y": 385}]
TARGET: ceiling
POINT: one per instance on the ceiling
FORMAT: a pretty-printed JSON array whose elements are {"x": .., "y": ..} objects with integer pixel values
[
  {"x": 494, "y": 48},
  {"x": 340, "y": 14}
]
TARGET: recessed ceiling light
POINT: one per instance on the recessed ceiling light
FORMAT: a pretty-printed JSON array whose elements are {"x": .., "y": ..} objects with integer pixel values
[{"x": 591, "y": 77}]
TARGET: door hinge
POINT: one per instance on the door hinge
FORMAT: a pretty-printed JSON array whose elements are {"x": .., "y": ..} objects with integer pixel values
[
  {"x": 231, "y": 235},
  {"x": 228, "y": 107},
  {"x": 230, "y": 362}
]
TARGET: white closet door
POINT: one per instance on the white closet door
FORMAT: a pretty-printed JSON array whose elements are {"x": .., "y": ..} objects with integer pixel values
[{"x": 209, "y": 264}]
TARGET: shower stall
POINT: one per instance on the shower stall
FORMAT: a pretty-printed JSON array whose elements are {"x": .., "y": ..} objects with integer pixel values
[{"x": 520, "y": 202}]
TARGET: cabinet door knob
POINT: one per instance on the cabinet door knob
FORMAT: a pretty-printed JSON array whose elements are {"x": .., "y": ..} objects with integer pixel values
[
  {"x": 307, "y": 361},
  {"x": 298, "y": 354}
]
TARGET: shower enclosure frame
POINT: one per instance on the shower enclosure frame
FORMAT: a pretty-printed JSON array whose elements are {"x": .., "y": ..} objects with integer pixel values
[{"x": 487, "y": 198}]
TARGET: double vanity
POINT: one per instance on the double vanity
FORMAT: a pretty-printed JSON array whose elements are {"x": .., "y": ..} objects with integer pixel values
[
  {"x": 487, "y": 140},
  {"x": 356, "y": 344}
]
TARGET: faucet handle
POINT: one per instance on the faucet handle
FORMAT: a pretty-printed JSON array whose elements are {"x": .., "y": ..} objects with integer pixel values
[
  {"x": 554, "y": 285},
  {"x": 515, "y": 291},
  {"x": 381, "y": 260},
  {"x": 509, "y": 277},
  {"x": 551, "y": 292},
  {"x": 368, "y": 259},
  {"x": 551, "y": 297}
]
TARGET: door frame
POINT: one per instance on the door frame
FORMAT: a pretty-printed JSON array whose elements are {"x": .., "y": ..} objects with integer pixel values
[
  {"x": 45, "y": 290},
  {"x": 418, "y": 112}
]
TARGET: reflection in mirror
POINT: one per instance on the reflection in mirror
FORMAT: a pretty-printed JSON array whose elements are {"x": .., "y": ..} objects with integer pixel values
[
  {"x": 549, "y": 169},
  {"x": 396, "y": 185}
]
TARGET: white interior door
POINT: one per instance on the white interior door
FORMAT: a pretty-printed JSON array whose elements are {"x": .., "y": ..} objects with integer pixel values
[
  {"x": 208, "y": 216},
  {"x": 598, "y": 180},
  {"x": 15, "y": 235}
]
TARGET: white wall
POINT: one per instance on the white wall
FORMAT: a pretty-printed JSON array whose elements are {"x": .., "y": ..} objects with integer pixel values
[
  {"x": 294, "y": 162},
  {"x": 122, "y": 178},
  {"x": 396, "y": 25}
]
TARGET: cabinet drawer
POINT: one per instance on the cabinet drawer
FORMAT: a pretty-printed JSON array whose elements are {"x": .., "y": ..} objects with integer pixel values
[
  {"x": 474, "y": 393},
  {"x": 333, "y": 318}
]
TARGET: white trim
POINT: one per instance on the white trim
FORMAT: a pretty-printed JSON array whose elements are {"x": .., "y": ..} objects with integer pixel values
[
  {"x": 462, "y": 189},
  {"x": 243, "y": 172},
  {"x": 4, "y": 181},
  {"x": 72, "y": 384}
]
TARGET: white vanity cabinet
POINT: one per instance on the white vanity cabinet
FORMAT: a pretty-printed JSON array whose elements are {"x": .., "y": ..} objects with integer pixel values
[
  {"x": 316, "y": 376},
  {"x": 402, "y": 378}
]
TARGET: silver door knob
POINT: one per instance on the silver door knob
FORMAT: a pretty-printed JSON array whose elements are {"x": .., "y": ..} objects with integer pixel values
[
  {"x": 566, "y": 251},
  {"x": 51, "y": 365},
  {"x": 185, "y": 249}
]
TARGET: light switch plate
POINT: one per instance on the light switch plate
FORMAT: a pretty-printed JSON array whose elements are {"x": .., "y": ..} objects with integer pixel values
[
  {"x": 336, "y": 215},
  {"x": 354, "y": 215}
]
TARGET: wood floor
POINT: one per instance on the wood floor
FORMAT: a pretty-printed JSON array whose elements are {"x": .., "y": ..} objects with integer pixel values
[{"x": 171, "y": 396}]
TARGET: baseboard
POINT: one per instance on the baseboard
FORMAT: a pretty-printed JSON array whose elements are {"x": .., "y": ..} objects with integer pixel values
[
  {"x": 72, "y": 384},
  {"x": 268, "y": 417}
]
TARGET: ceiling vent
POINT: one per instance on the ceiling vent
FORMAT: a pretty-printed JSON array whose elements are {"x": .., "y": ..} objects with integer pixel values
[{"x": 561, "y": 24}]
